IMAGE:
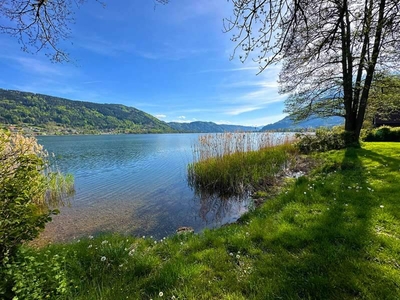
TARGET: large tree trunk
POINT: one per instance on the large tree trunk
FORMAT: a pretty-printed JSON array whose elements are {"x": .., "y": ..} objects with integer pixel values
[
  {"x": 371, "y": 69},
  {"x": 347, "y": 69}
]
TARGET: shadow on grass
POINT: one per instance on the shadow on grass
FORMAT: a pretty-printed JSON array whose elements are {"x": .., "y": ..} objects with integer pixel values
[{"x": 327, "y": 257}]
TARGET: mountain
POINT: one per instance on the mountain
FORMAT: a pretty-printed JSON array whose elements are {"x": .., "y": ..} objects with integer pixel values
[
  {"x": 208, "y": 127},
  {"x": 288, "y": 124},
  {"x": 48, "y": 114}
]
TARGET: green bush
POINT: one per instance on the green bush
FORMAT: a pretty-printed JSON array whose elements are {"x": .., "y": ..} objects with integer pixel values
[
  {"x": 325, "y": 140},
  {"x": 382, "y": 134},
  {"x": 33, "y": 275},
  {"x": 29, "y": 195}
]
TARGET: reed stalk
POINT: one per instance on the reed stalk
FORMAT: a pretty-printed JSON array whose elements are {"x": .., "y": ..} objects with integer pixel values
[{"x": 236, "y": 163}]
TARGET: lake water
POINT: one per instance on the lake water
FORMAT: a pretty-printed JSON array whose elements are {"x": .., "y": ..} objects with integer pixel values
[{"x": 132, "y": 184}]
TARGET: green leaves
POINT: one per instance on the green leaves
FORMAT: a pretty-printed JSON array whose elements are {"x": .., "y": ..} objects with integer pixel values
[{"x": 29, "y": 195}]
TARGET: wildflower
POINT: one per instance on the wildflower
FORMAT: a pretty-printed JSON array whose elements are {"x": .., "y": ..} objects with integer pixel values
[
  {"x": 160, "y": 294},
  {"x": 151, "y": 236},
  {"x": 305, "y": 193},
  {"x": 155, "y": 242},
  {"x": 381, "y": 206},
  {"x": 237, "y": 256},
  {"x": 103, "y": 258},
  {"x": 231, "y": 254},
  {"x": 173, "y": 297},
  {"x": 104, "y": 242},
  {"x": 181, "y": 243},
  {"x": 131, "y": 252},
  {"x": 90, "y": 246},
  {"x": 90, "y": 237}
]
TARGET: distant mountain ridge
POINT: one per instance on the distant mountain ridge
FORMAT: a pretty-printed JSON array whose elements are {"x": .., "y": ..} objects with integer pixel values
[
  {"x": 53, "y": 113},
  {"x": 209, "y": 127},
  {"x": 289, "y": 124},
  {"x": 43, "y": 114}
]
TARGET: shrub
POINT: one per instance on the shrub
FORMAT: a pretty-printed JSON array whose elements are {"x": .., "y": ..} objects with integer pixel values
[
  {"x": 325, "y": 140},
  {"x": 29, "y": 195},
  {"x": 382, "y": 134},
  {"x": 33, "y": 275}
]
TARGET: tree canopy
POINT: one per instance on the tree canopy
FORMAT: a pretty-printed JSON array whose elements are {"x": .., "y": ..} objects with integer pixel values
[
  {"x": 38, "y": 24},
  {"x": 329, "y": 50}
]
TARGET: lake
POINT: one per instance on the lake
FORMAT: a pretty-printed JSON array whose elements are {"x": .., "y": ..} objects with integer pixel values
[{"x": 132, "y": 184}]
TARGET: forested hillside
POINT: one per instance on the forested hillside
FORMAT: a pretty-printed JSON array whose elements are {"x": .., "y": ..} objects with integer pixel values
[
  {"x": 208, "y": 127},
  {"x": 63, "y": 115},
  {"x": 288, "y": 124}
]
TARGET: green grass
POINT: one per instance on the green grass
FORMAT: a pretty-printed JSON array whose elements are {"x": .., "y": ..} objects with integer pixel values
[
  {"x": 332, "y": 235},
  {"x": 232, "y": 164}
]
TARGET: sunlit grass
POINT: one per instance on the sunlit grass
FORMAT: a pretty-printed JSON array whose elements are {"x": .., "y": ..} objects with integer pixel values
[{"x": 332, "y": 235}]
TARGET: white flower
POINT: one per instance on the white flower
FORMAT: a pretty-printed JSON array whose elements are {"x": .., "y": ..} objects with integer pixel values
[
  {"x": 381, "y": 206},
  {"x": 103, "y": 258},
  {"x": 305, "y": 193},
  {"x": 160, "y": 294},
  {"x": 131, "y": 252},
  {"x": 90, "y": 246},
  {"x": 237, "y": 256},
  {"x": 144, "y": 236},
  {"x": 90, "y": 237},
  {"x": 231, "y": 254},
  {"x": 104, "y": 242}
]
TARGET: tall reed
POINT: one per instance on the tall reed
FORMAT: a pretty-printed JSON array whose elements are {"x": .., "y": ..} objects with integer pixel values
[{"x": 235, "y": 163}]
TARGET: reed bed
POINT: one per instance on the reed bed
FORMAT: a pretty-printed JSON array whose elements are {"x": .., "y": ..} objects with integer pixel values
[{"x": 231, "y": 164}]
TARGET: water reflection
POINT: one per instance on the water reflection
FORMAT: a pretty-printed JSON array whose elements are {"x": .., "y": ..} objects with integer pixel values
[{"x": 133, "y": 184}]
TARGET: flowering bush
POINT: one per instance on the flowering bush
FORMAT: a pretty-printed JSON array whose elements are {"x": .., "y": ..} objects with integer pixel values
[{"x": 29, "y": 194}]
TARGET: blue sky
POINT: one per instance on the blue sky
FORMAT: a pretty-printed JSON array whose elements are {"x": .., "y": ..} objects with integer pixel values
[{"x": 172, "y": 61}]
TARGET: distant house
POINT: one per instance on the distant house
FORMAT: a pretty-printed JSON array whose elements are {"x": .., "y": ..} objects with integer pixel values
[
  {"x": 393, "y": 119},
  {"x": 13, "y": 129}
]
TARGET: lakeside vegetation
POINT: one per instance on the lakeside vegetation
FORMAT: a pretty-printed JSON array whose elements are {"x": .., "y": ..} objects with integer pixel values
[
  {"x": 333, "y": 234},
  {"x": 232, "y": 164}
]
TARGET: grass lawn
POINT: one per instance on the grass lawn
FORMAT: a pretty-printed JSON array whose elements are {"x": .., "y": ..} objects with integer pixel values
[{"x": 332, "y": 235}]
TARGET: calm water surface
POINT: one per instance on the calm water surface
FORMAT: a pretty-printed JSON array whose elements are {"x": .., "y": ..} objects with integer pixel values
[{"x": 132, "y": 184}]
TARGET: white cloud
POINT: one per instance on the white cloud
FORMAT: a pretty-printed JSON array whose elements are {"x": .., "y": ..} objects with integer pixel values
[
  {"x": 182, "y": 117},
  {"x": 264, "y": 120},
  {"x": 240, "y": 110},
  {"x": 161, "y": 116}
]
